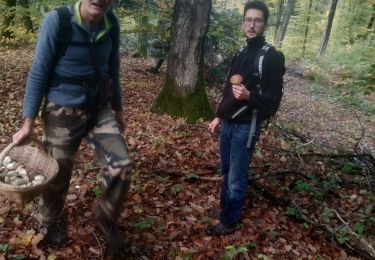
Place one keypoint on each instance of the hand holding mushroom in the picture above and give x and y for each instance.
(239, 90)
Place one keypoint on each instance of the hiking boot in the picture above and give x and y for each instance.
(55, 236)
(214, 213)
(116, 246)
(220, 229)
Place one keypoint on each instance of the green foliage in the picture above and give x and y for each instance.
(290, 211)
(327, 214)
(359, 228)
(96, 190)
(342, 235)
(144, 223)
(232, 251)
(302, 186)
(224, 35)
(4, 247)
(176, 188)
(351, 168)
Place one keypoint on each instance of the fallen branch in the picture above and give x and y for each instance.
(360, 241)
(187, 176)
(360, 247)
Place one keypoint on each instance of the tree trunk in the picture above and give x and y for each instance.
(143, 34)
(27, 23)
(327, 32)
(371, 22)
(279, 11)
(284, 25)
(225, 4)
(307, 28)
(184, 93)
(6, 30)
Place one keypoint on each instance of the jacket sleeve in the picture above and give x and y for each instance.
(43, 63)
(219, 112)
(114, 68)
(267, 98)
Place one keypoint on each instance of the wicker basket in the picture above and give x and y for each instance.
(34, 157)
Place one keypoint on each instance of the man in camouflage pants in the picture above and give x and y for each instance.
(79, 104)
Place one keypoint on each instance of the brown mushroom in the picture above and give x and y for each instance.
(236, 79)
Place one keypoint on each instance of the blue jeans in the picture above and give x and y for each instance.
(235, 164)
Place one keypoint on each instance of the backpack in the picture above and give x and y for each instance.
(258, 72)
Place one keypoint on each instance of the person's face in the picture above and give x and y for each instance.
(253, 24)
(96, 8)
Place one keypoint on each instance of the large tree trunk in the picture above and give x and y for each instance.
(6, 31)
(306, 28)
(279, 11)
(327, 32)
(183, 93)
(284, 25)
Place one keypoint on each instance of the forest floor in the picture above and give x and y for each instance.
(313, 161)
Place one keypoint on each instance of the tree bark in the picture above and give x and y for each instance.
(284, 25)
(143, 34)
(184, 93)
(280, 5)
(372, 19)
(327, 32)
(306, 28)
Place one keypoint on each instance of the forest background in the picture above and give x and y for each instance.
(328, 43)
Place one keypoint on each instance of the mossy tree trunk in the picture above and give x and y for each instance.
(183, 93)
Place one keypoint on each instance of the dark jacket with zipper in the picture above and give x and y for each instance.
(265, 98)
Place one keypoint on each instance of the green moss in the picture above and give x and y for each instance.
(191, 106)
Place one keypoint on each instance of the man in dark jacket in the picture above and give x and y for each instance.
(243, 108)
(80, 103)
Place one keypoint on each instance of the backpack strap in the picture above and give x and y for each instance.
(65, 31)
(115, 36)
(258, 72)
(258, 63)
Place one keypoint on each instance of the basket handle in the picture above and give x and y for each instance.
(6, 150)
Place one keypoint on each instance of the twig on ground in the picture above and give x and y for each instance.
(100, 245)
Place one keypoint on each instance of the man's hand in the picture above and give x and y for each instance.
(213, 127)
(240, 92)
(120, 119)
(24, 133)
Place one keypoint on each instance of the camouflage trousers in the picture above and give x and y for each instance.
(65, 127)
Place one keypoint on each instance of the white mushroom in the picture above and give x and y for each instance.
(40, 178)
(6, 179)
(7, 160)
(19, 182)
(12, 166)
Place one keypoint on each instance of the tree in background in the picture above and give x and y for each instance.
(327, 31)
(8, 20)
(183, 93)
(284, 24)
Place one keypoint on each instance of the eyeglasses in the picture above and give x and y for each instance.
(256, 21)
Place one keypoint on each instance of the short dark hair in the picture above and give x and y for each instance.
(259, 5)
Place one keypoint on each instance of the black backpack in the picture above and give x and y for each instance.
(258, 71)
